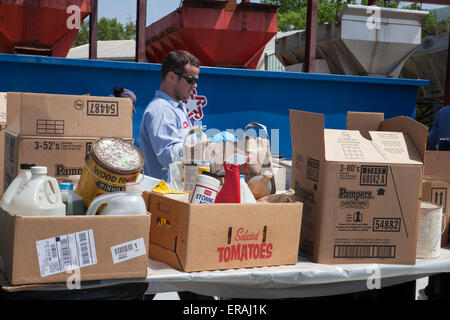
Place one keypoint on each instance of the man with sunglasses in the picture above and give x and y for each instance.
(165, 123)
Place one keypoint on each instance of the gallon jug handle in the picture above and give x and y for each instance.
(98, 201)
(55, 187)
(7, 196)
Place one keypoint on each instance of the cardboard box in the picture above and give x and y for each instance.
(437, 164)
(36, 114)
(2, 135)
(361, 197)
(41, 249)
(437, 192)
(196, 237)
(63, 157)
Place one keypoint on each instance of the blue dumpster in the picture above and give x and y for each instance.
(234, 97)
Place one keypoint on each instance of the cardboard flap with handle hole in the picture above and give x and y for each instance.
(166, 216)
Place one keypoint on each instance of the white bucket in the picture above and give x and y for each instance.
(431, 226)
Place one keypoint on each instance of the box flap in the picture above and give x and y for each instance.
(364, 122)
(168, 220)
(350, 146)
(416, 131)
(396, 146)
(307, 133)
(7, 228)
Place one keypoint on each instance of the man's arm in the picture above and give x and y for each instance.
(164, 136)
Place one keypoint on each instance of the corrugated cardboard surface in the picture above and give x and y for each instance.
(34, 114)
(436, 191)
(63, 157)
(19, 236)
(437, 180)
(2, 136)
(361, 198)
(223, 236)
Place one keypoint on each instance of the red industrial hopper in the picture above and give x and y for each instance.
(219, 33)
(39, 27)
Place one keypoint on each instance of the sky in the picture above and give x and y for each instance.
(124, 10)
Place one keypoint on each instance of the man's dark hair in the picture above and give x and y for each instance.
(176, 61)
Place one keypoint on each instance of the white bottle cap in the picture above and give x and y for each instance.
(38, 170)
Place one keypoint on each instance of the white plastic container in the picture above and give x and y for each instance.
(73, 201)
(40, 196)
(206, 188)
(129, 202)
(246, 193)
(23, 177)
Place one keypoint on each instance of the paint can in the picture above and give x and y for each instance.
(110, 164)
(431, 226)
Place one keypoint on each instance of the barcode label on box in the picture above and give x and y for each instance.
(364, 251)
(66, 253)
(128, 250)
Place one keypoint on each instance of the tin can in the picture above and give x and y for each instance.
(206, 188)
(430, 231)
(109, 166)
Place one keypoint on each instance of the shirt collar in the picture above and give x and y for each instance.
(172, 101)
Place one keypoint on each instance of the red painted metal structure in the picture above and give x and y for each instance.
(38, 27)
(219, 33)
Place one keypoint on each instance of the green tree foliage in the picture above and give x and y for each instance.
(108, 29)
(293, 12)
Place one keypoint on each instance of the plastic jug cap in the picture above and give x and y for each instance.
(26, 166)
(66, 186)
(39, 170)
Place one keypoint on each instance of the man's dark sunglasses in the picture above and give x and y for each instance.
(189, 79)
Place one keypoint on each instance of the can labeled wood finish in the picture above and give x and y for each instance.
(109, 166)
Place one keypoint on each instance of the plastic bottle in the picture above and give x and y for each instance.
(261, 185)
(20, 180)
(230, 192)
(246, 194)
(72, 200)
(206, 188)
(40, 196)
(129, 202)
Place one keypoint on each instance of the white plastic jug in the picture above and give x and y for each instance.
(40, 196)
(129, 202)
(246, 193)
(20, 180)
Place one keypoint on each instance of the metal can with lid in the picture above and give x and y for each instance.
(110, 164)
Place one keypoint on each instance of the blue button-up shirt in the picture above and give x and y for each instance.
(164, 126)
(441, 127)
